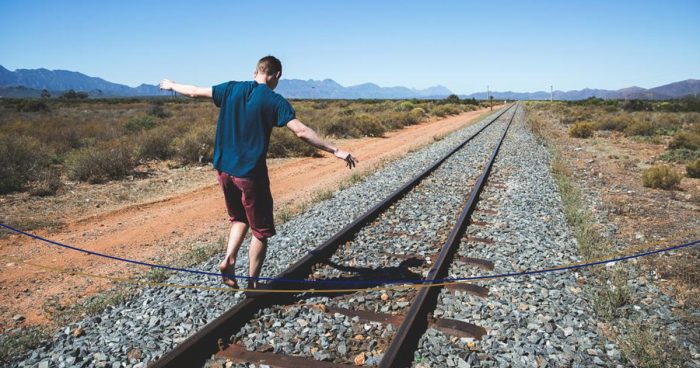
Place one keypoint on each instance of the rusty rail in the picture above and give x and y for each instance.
(214, 336)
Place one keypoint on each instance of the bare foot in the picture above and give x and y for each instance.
(227, 267)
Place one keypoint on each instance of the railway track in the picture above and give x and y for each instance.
(397, 239)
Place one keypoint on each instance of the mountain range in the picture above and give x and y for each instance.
(688, 87)
(30, 83)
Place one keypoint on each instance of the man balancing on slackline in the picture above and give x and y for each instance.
(248, 112)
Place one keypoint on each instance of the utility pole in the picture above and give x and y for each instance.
(488, 96)
(551, 93)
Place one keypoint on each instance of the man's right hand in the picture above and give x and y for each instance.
(350, 161)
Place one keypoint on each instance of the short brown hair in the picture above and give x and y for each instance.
(269, 65)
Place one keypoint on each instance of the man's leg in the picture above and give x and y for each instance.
(256, 254)
(235, 239)
(239, 227)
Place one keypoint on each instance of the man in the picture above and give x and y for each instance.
(248, 112)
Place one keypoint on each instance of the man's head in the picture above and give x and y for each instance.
(268, 71)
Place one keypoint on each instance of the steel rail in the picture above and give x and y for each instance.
(215, 335)
(401, 350)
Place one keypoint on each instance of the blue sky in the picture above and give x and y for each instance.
(463, 45)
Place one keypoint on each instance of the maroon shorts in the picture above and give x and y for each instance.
(249, 200)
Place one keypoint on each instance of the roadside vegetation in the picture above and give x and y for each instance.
(673, 125)
(48, 141)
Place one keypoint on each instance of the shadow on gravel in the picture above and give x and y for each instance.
(366, 278)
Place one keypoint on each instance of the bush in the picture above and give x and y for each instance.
(445, 110)
(641, 128)
(693, 169)
(417, 114)
(155, 144)
(196, 146)
(581, 130)
(680, 155)
(28, 105)
(283, 143)
(369, 126)
(342, 126)
(138, 124)
(688, 140)
(661, 177)
(73, 95)
(405, 106)
(613, 123)
(452, 99)
(47, 183)
(21, 160)
(102, 162)
(158, 111)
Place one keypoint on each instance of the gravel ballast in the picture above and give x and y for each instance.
(415, 226)
(531, 320)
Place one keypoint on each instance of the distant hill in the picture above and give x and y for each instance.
(328, 88)
(64, 80)
(29, 83)
(673, 90)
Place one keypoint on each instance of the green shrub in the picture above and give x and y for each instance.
(369, 126)
(417, 114)
(155, 144)
(102, 162)
(22, 159)
(661, 177)
(693, 169)
(283, 143)
(342, 126)
(680, 155)
(405, 106)
(688, 140)
(138, 124)
(613, 123)
(641, 128)
(196, 146)
(445, 110)
(73, 95)
(581, 130)
(454, 99)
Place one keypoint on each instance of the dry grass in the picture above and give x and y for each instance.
(581, 130)
(100, 140)
(661, 177)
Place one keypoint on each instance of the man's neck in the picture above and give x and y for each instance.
(261, 79)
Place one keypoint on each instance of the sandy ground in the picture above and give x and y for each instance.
(611, 166)
(144, 223)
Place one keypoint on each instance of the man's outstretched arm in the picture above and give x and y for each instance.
(308, 135)
(187, 90)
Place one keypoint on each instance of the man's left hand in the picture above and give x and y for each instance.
(350, 161)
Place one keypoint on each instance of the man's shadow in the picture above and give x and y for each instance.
(362, 278)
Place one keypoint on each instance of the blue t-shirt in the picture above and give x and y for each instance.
(248, 112)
